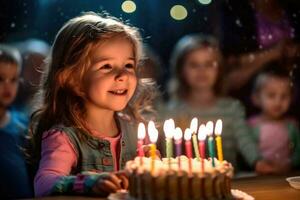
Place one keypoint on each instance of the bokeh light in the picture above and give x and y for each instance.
(205, 2)
(178, 12)
(128, 6)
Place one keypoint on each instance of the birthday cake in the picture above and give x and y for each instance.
(166, 179)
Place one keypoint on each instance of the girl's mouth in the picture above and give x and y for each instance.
(118, 92)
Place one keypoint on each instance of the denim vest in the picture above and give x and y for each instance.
(95, 154)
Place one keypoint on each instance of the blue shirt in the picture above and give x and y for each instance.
(13, 171)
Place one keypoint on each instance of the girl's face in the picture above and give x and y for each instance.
(275, 97)
(9, 79)
(200, 69)
(111, 79)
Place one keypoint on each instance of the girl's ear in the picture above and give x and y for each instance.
(255, 99)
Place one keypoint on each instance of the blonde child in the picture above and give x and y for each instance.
(84, 129)
(276, 134)
(196, 90)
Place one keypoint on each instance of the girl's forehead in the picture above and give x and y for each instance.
(8, 66)
(276, 83)
(118, 47)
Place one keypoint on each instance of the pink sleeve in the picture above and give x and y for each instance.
(58, 156)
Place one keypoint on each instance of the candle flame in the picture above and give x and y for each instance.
(202, 132)
(141, 131)
(209, 128)
(168, 128)
(153, 132)
(187, 134)
(218, 128)
(178, 134)
(172, 124)
(194, 125)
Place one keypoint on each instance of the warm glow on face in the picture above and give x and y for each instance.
(141, 131)
(168, 128)
(218, 128)
(209, 128)
(187, 134)
(194, 125)
(178, 134)
(202, 132)
(153, 132)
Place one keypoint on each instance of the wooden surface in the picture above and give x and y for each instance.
(267, 188)
(261, 188)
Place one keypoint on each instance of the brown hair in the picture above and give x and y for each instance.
(61, 98)
(178, 87)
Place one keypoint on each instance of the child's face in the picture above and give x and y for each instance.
(111, 79)
(200, 69)
(9, 78)
(275, 97)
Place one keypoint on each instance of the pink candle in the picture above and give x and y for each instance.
(201, 138)
(188, 147)
(140, 143)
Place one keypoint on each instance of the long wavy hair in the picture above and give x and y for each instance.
(60, 99)
(178, 86)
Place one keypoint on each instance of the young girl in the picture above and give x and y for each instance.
(277, 135)
(196, 90)
(84, 130)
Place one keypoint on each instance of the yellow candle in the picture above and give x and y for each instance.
(218, 131)
(153, 155)
(153, 135)
(219, 148)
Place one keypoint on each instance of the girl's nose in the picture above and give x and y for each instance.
(121, 75)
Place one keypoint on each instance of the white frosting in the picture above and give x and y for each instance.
(167, 165)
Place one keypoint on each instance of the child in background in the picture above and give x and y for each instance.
(276, 134)
(197, 92)
(84, 129)
(13, 125)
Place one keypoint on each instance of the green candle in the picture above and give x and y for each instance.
(169, 127)
(169, 147)
(195, 145)
(211, 143)
(211, 149)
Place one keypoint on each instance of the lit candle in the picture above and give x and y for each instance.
(188, 147)
(218, 131)
(201, 138)
(141, 136)
(153, 135)
(178, 141)
(194, 127)
(169, 128)
(211, 143)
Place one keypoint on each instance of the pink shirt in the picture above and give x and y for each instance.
(273, 141)
(58, 157)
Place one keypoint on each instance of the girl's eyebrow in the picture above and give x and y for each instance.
(102, 59)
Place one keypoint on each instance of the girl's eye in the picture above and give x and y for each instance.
(129, 66)
(14, 80)
(106, 66)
